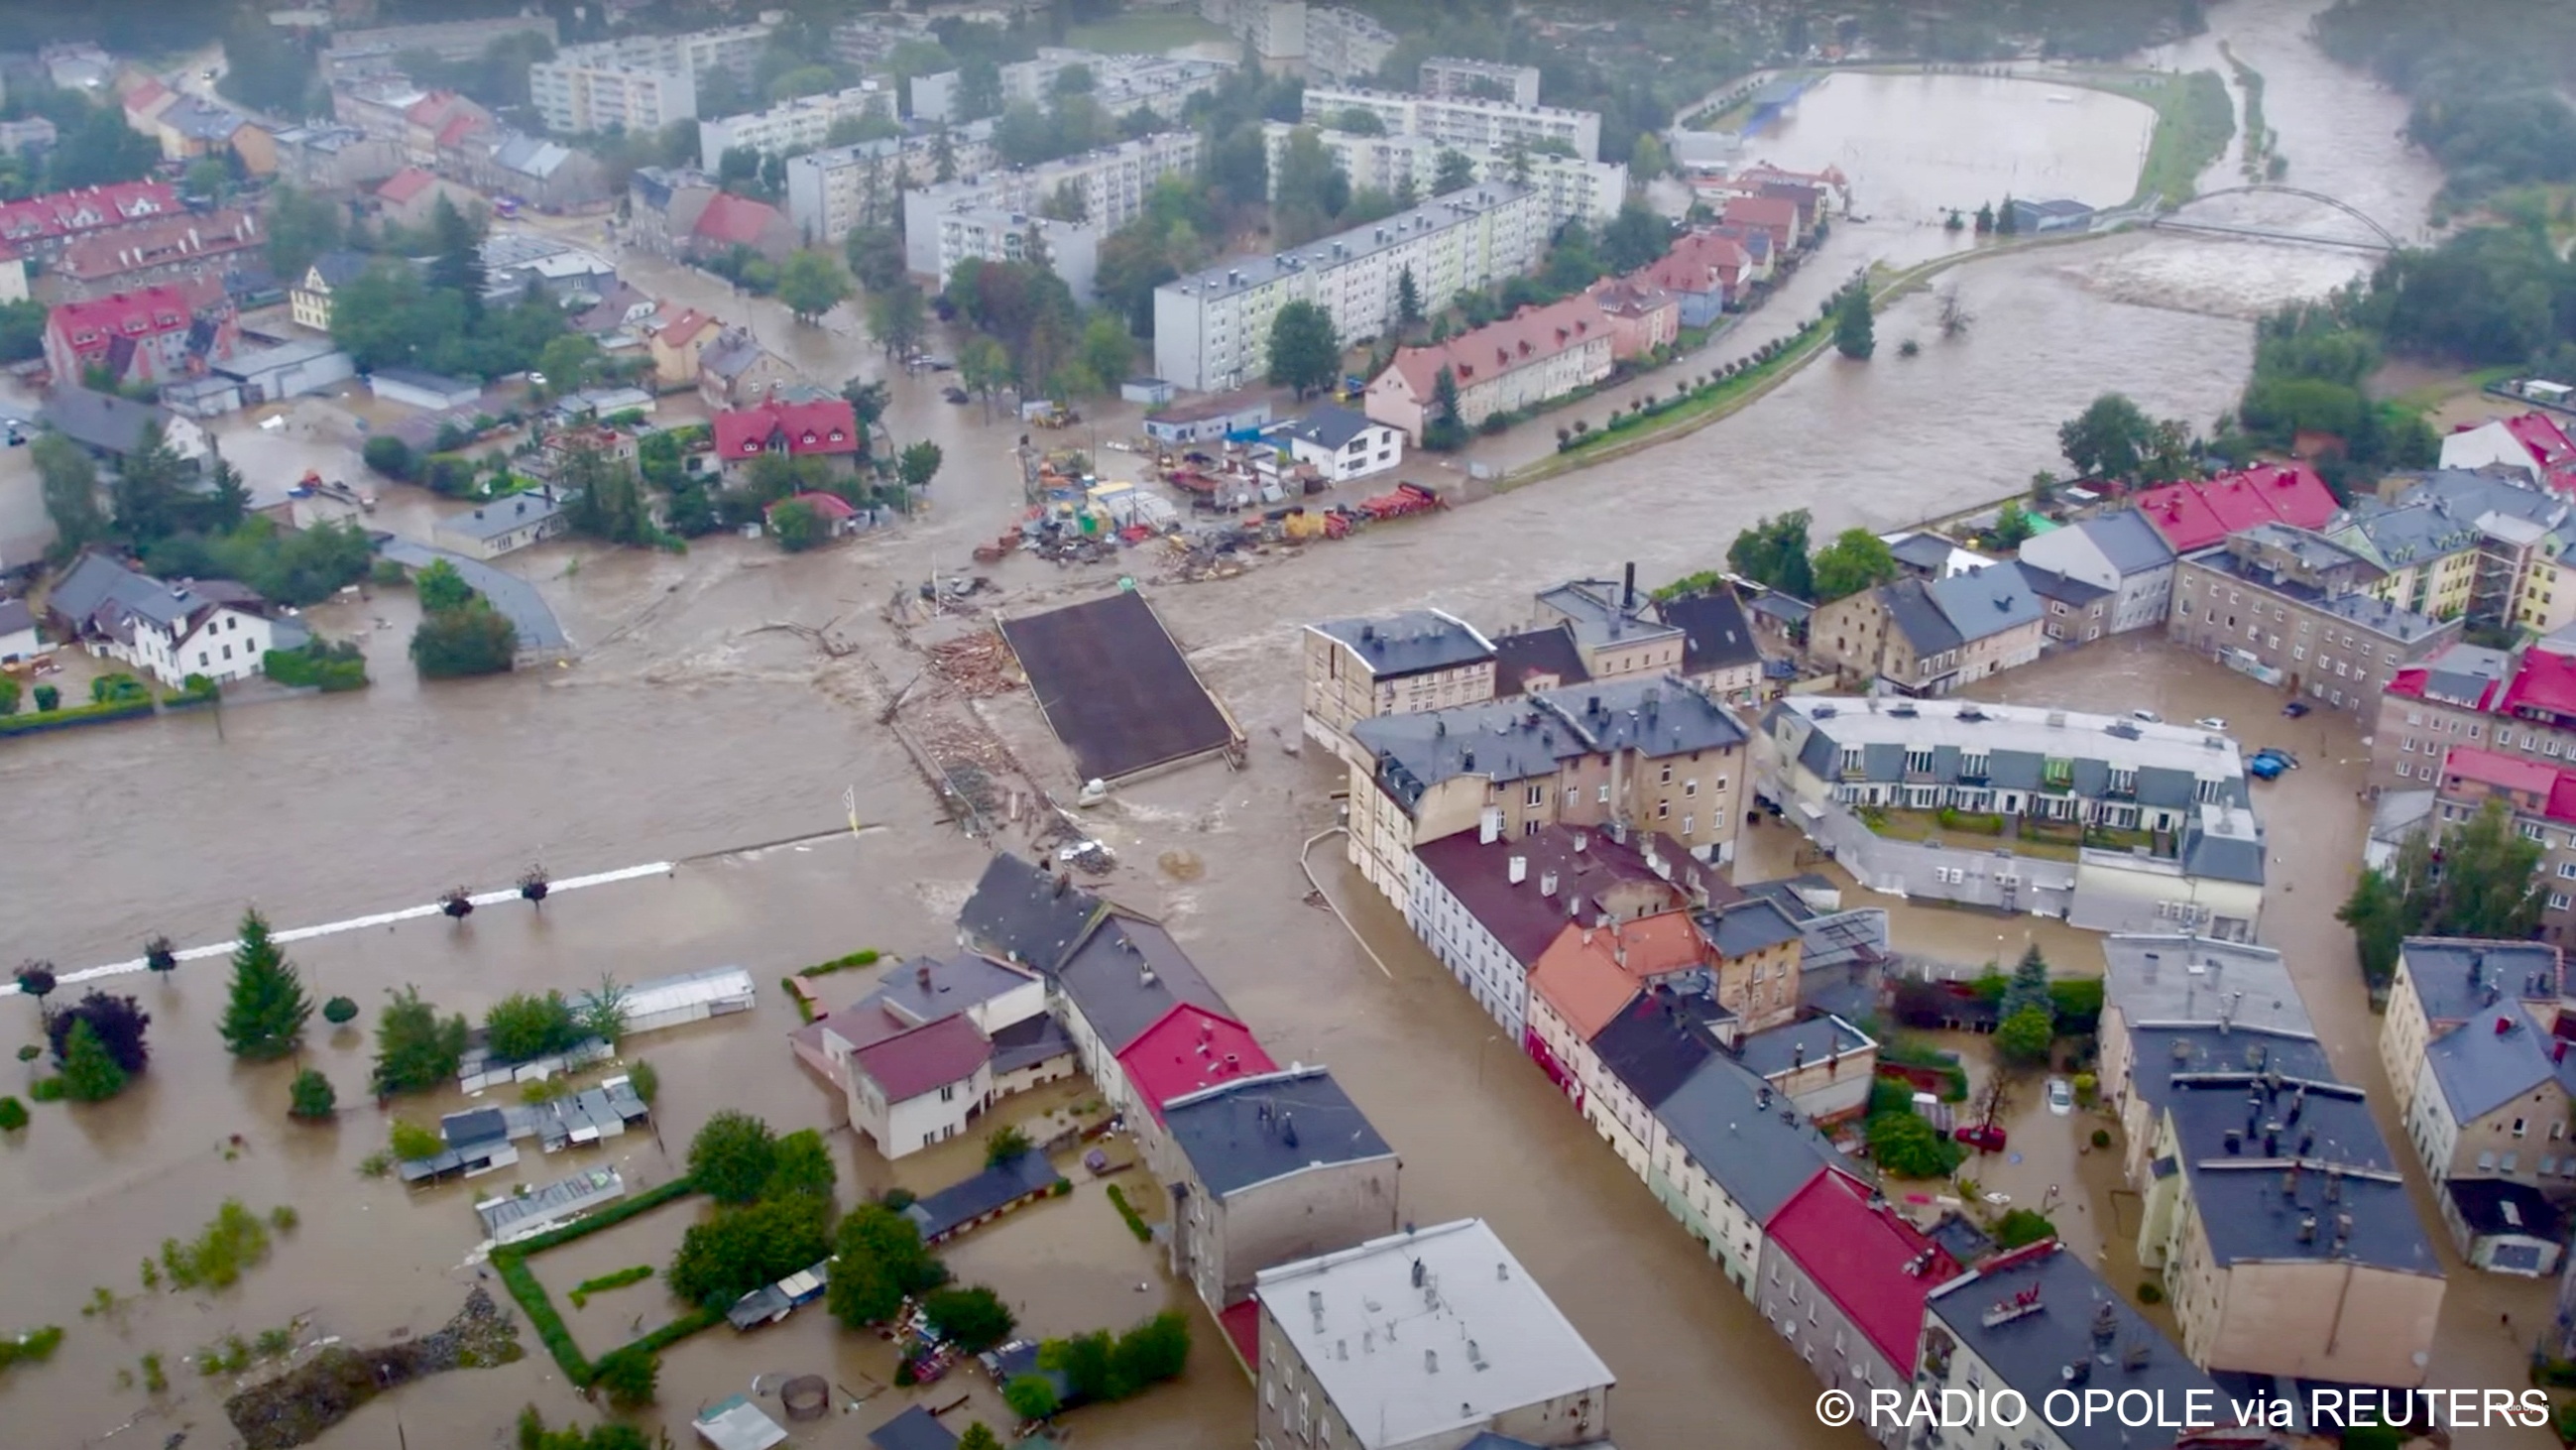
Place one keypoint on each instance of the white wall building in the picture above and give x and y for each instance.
(1343, 445)
(1120, 84)
(1568, 186)
(832, 191)
(1463, 121)
(994, 234)
(2120, 552)
(1275, 29)
(1345, 47)
(1212, 329)
(801, 124)
(1452, 78)
(638, 81)
(169, 629)
(1112, 183)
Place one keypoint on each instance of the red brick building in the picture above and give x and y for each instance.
(150, 335)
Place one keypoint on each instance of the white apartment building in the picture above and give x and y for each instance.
(804, 123)
(1212, 329)
(1121, 84)
(832, 191)
(1345, 47)
(1568, 186)
(1452, 78)
(1113, 183)
(1275, 29)
(998, 234)
(1463, 121)
(639, 80)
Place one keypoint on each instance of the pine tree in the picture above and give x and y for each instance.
(266, 1016)
(90, 1075)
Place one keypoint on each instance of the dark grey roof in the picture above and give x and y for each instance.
(1517, 738)
(1745, 1134)
(1785, 608)
(2062, 588)
(1003, 1183)
(2501, 1206)
(513, 596)
(428, 381)
(1986, 601)
(1912, 612)
(1024, 914)
(2464, 673)
(1549, 651)
(1028, 1043)
(102, 421)
(1412, 643)
(928, 988)
(15, 616)
(491, 520)
(1126, 974)
(1249, 1132)
(1745, 927)
(340, 265)
(1653, 1045)
(1595, 610)
(475, 1125)
(1715, 633)
(2243, 1205)
(1928, 553)
(914, 1429)
(2380, 617)
(2456, 977)
(1966, 1242)
(1329, 425)
(1781, 1049)
(2076, 1320)
(2128, 541)
(2223, 843)
(2489, 1061)
(2161, 1051)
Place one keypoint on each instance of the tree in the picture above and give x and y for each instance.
(1089, 1365)
(601, 1011)
(89, 1074)
(567, 363)
(812, 284)
(796, 526)
(37, 980)
(312, 1097)
(974, 1318)
(1031, 1396)
(1908, 1147)
(267, 1011)
(117, 1022)
(1854, 561)
(1408, 297)
(1456, 172)
(70, 485)
(983, 367)
(2024, 1037)
(875, 257)
(877, 1260)
(1154, 1351)
(1106, 350)
(1444, 429)
(1304, 353)
(2481, 878)
(802, 1164)
(2022, 1226)
(731, 1158)
(454, 643)
(896, 317)
(458, 265)
(441, 588)
(13, 1116)
(979, 1436)
(629, 1375)
(1004, 1144)
(22, 331)
(1855, 331)
(2028, 986)
(741, 1249)
(301, 227)
(2110, 439)
(1637, 236)
(416, 1049)
(2012, 525)
(1773, 553)
(523, 1025)
(918, 464)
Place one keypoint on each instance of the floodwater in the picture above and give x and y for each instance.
(691, 733)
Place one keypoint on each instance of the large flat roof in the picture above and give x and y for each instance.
(1114, 687)
(1243, 273)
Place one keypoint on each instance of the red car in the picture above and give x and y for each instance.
(1984, 1137)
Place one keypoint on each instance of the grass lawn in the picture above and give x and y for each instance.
(1145, 34)
(2195, 119)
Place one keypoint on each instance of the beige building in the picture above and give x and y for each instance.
(1927, 637)
(1274, 1169)
(2521, 706)
(2294, 609)
(1359, 669)
(1525, 361)
(2443, 982)
(1480, 1348)
(1569, 187)
(1464, 121)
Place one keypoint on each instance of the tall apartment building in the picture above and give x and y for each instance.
(1452, 78)
(638, 81)
(802, 124)
(1345, 47)
(1112, 183)
(1463, 121)
(968, 229)
(2292, 608)
(830, 192)
(1568, 186)
(1212, 329)
(1121, 85)
(1275, 30)
(2469, 696)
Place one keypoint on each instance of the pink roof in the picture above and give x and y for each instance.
(1771, 213)
(69, 213)
(826, 426)
(457, 129)
(926, 1058)
(1699, 262)
(2506, 772)
(736, 219)
(2543, 439)
(829, 506)
(2195, 515)
(143, 312)
(1189, 1049)
(1531, 335)
(2543, 682)
(158, 242)
(143, 93)
(1860, 1257)
(405, 184)
(683, 328)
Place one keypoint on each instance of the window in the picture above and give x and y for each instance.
(2486, 1162)
(1689, 825)
(2507, 1166)
(1602, 795)
(1663, 810)
(2558, 901)
(1918, 762)
(948, 1094)
(1536, 796)
(1667, 776)
(2518, 1126)
(1689, 788)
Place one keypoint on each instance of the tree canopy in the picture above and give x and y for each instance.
(1304, 353)
(2113, 438)
(877, 1259)
(1854, 561)
(416, 1049)
(267, 1010)
(1774, 553)
(731, 1158)
(2481, 878)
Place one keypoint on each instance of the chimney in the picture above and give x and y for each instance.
(1519, 869)
(1628, 587)
(921, 974)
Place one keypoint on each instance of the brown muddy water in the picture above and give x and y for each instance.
(689, 734)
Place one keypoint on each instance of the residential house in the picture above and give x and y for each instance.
(17, 632)
(2120, 552)
(1844, 1281)
(39, 227)
(728, 222)
(2291, 608)
(1329, 1374)
(169, 250)
(1727, 1154)
(1922, 554)
(2535, 445)
(837, 516)
(1929, 638)
(1188, 1050)
(1643, 317)
(410, 197)
(2505, 1227)
(2074, 613)
(2131, 826)
(1342, 445)
(152, 335)
(825, 430)
(1591, 974)
(2485, 544)
(2444, 983)
(2201, 514)
(1124, 976)
(546, 174)
(2230, 1005)
(918, 1059)
(2038, 1321)
(2428, 553)
(167, 628)
(1648, 754)
(142, 104)
(324, 156)
(1358, 669)
(1776, 218)
(1272, 1169)
(1489, 909)
(676, 340)
(664, 204)
(503, 526)
(1613, 629)
(1021, 912)
(2520, 704)
(309, 300)
(2541, 800)
(2491, 1108)
(735, 371)
(2285, 1235)
(1543, 657)
(1721, 652)
(1705, 272)
(1528, 359)
(112, 428)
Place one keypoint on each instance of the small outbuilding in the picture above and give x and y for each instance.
(734, 1423)
(416, 389)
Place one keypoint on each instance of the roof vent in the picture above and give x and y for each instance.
(1431, 1361)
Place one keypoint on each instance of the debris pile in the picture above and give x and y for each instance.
(976, 665)
(298, 1406)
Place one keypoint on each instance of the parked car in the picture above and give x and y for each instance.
(2295, 709)
(1984, 1137)
(2210, 722)
(955, 395)
(2150, 716)
(2268, 763)
(2061, 1096)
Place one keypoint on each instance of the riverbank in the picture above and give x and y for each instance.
(2194, 122)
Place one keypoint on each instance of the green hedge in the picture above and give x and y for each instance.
(73, 717)
(511, 1262)
(524, 1286)
(1135, 1221)
(330, 667)
(616, 1213)
(866, 958)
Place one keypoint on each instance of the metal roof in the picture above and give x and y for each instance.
(1747, 1135)
(2252, 1207)
(490, 521)
(1023, 912)
(1242, 1134)
(1414, 642)
(1126, 974)
(2454, 978)
(1527, 735)
(2488, 1062)
(508, 593)
(2199, 979)
(2128, 542)
(1330, 425)
(1984, 602)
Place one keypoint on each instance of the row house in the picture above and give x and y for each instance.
(2293, 609)
(176, 249)
(2534, 445)
(2202, 513)
(1271, 1168)
(1652, 754)
(1529, 359)
(1778, 218)
(2117, 552)
(1600, 629)
(2521, 704)
(1359, 669)
(1932, 637)
(2177, 1003)
(543, 173)
(38, 228)
(2489, 1121)
(1643, 317)
(168, 628)
(323, 156)
(152, 335)
(411, 197)
(2541, 798)
(2486, 544)
(1845, 1277)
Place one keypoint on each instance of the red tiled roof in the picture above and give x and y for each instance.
(1858, 1256)
(823, 427)
(830, 507)
(2489, 767)
(2543, 439)
(453, 134)
(1590, 973)
(1188, 1049)
(154, 243)
(143, 93)
(405, 184)
(926, 1058)
(1699, 262)
(1771, 213)
(69, 213)
(145, 312)
(2195, 515)
(687, 325)
(2543, 681)
(736, 220)
(1526, 338)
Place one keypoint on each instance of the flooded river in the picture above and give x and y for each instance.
(690, 734)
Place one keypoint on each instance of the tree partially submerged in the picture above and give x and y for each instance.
(267, 1011)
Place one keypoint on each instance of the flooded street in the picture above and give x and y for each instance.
(689, 733)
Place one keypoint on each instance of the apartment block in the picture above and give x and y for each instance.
(2541, 795)
(1844, 1280)
(2294, 609)
(1274, 30)
(1464, 121)
(802, 124)
(1103, 189)
(1345, 47)
(993, 234)
(1525, 361)
(834, 191)
(374, 50)
(1359, 669)
(2118, 552)
(1932, 637)
(637, 81)
(1568, 186)
(1454, 79)
(1212, 329)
